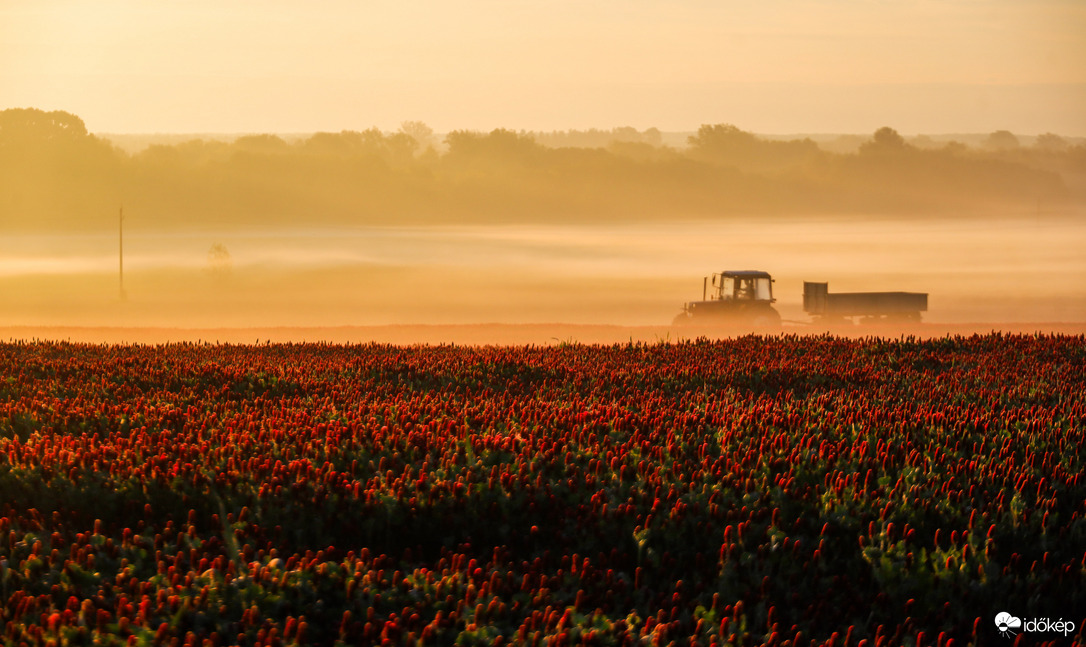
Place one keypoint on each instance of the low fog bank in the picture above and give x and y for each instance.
(975, 272)
(583, 228)
(498, 334)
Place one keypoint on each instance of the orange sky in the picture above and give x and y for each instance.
(779, 66)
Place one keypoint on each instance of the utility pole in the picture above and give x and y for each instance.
(120, 250)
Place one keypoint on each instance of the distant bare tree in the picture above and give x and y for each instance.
(219, 264)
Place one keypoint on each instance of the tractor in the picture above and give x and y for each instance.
(743, 297)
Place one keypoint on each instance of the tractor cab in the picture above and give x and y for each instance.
(745, 285)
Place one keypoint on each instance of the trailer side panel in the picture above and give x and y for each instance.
(849, 304)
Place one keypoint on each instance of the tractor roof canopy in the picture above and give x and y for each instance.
(746, 274)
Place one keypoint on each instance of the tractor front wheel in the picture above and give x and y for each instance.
(767, 319)
(682, 319)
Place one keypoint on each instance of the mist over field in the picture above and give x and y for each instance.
(587, 227)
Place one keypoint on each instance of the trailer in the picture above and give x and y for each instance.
(819, 302)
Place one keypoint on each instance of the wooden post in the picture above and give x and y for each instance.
(120, 251)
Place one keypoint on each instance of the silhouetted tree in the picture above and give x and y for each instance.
(339, 144)
(955, 148)
(421, 133)
(1001, 140)
(727, 144)
(400, 149)
(721, 140)
(59, 136)
(500, 146)
(261, 144)
(885, 140)
(596, 138)
(52, 171)
(1051, 142)
(31, 124)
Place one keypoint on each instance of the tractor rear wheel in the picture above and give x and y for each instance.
(768, 319)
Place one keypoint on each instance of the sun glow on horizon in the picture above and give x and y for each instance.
(785, 66)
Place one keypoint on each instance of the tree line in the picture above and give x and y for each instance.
(55, 175)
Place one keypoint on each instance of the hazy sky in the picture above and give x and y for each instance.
(773, 66)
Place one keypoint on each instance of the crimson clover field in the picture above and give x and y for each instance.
(777, 491)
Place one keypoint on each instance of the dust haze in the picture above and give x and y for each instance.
(570, 232)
